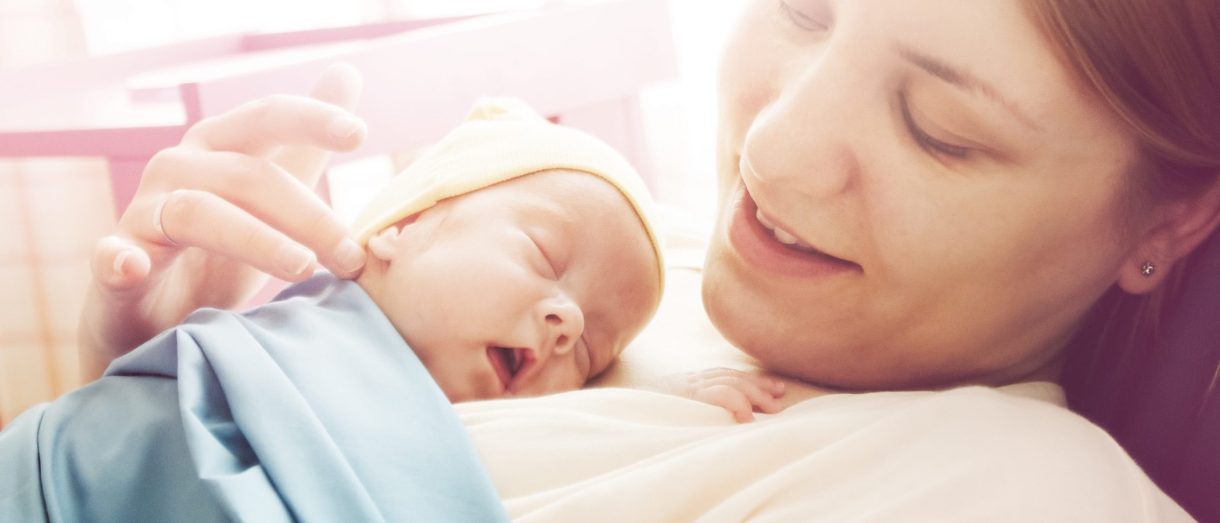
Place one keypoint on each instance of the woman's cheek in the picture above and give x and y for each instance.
(746, 74)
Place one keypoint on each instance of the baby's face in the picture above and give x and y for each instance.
(527, 287)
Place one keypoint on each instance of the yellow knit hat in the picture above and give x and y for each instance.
(503, 139)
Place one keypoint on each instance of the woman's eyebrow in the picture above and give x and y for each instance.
(963, 79)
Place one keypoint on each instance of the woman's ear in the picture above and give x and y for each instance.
(1183, 226)
(382, 245)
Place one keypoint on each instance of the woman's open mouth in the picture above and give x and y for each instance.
(764, 245)
(508, 363)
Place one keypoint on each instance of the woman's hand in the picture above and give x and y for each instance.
(214, 215)
(736, 391)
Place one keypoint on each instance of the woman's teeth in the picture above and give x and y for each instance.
(783, 236)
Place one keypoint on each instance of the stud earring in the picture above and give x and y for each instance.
(1147, 269)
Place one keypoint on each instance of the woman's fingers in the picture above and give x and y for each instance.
(265, 156)
(232, 200)
(192, 218)
(258, 187)
(265, 125)
(340, 85)
(119, 264)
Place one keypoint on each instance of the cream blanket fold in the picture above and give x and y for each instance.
(971, 454)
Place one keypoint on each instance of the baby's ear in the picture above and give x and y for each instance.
(381, 245)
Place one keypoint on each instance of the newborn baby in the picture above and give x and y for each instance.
(518, 257)
(515, 257)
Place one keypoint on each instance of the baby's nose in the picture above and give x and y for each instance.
(564, 323)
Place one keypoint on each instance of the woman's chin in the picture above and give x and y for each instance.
(743, 319)
(823, 353)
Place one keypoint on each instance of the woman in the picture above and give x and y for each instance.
(913, 196)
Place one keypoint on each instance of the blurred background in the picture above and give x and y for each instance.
(52, 210)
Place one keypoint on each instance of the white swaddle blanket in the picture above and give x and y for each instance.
(969, 454)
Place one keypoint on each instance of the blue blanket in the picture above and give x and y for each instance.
(310, 408)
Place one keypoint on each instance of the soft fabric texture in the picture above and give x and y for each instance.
(310, 408)
(969, 454)
(501, 140)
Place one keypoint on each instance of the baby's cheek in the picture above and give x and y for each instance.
(561, 377)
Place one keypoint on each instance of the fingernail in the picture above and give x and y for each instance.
(121, 260)
(293, 259)
(349, 257)
(343, 127)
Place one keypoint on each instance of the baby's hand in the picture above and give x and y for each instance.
(737, 391)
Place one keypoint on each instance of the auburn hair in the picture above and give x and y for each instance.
(1156, 64)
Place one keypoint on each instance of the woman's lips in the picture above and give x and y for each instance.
(759, 248)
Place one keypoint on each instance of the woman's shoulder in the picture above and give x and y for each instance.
(1004, 425)
(1021, 444)
(1027, 415)
(968, 454)
(1016, 449)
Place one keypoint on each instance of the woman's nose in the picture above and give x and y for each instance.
(801, 142)
(563, 324)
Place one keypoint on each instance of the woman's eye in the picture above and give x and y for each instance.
(925, 140)
(809, 15)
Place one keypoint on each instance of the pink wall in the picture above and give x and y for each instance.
(51, 212)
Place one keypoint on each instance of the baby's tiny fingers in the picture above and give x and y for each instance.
(737, 378)
(729, 399)
(761, 397)
(774, 386)
(770, 405)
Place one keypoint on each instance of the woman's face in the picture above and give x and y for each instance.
(913, 193)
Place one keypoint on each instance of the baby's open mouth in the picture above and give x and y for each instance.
(508, 362)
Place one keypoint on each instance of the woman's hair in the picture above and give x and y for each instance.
(1156, 64)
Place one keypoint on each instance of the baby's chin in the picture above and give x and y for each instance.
(456, 394)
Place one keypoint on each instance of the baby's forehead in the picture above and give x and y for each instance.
(586, 212)
(559, 194)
